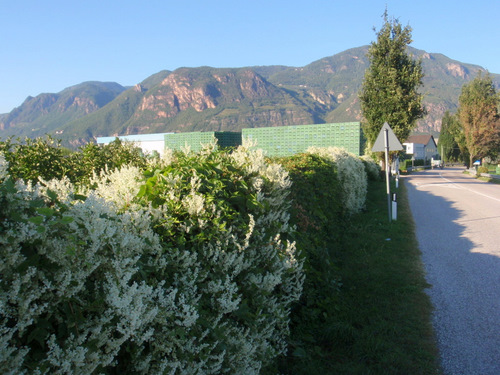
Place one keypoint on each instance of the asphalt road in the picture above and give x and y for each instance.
(458, 228)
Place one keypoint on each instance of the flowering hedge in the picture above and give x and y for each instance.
(351, 173)
(184, 271)
(320, 220)
(46, 158)
(373, 170)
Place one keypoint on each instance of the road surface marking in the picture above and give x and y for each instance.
(465, 188)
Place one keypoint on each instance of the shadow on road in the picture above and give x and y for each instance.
(465, 282)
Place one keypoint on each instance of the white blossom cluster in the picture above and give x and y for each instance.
(237, 287)
(68, 280)
(3, 167)
(93, 279)
(351, 173)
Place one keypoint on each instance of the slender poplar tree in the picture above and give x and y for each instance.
(390, 87)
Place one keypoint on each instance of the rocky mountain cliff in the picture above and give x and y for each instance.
(47, 113)
(218, 99)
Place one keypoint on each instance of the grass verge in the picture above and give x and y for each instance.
(489, 179)
(379, 319)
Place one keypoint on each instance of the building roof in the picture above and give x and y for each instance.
(422, 139)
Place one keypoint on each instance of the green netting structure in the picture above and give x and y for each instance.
(196, 140)
(279, 140)
(289, 140)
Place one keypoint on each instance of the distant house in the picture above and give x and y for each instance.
(421, 146)
(149, 143)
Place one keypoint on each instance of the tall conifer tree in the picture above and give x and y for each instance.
(390, 87)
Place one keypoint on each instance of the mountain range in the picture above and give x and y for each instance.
(229, 99)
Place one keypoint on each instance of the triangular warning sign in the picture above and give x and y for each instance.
(393, 142)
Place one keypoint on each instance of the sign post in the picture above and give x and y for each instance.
(387, 171)
(387, 141)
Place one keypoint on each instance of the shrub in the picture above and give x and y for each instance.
(45, 158)
(351, 173)
(405, 164)
(315, 194)
(34, 158)
(226, 258)
(317, 215)
(483, 169)
(372, 169)
(71, 293)
(184, 272)
(114, 155)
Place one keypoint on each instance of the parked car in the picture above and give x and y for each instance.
(438, 163)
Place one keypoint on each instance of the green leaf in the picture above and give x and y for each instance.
(71, 251)
(36, 203)
(45, 211)
(79, 197)
(65, 220)
(10, 186)
(299, 352)
(52, 195)
(31, 261)
(39, 334)
(142, 191)
(36, 220)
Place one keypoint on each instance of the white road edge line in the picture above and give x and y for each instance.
(462, 187)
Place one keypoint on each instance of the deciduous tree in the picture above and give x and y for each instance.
(390, 87)
(479, 118)
(451, 139)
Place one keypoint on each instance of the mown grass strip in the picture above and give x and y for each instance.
(379, 321)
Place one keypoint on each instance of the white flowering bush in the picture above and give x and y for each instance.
(3, 167)
(351, 173)
(185, 272)
(372, 168)
(71, 294)
(221, 218)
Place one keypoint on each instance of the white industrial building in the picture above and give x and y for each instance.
(149, 143)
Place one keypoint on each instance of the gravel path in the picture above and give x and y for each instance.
(458, 228)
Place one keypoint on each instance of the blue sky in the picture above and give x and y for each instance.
(46, 46)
